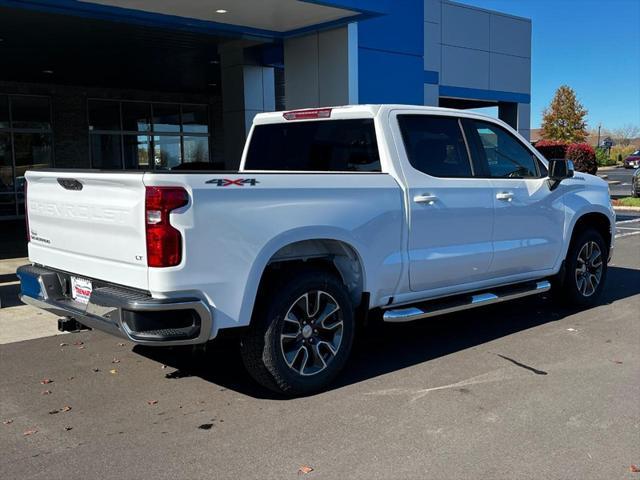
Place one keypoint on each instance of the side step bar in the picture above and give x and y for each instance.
(465, 302)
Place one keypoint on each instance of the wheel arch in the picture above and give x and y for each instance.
(597, 220)
(332, 250)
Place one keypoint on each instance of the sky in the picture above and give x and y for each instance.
(591, 45)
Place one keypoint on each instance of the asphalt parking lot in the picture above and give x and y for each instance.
(518, 390)
(619, 181)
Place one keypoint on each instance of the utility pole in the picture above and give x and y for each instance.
(599, 127)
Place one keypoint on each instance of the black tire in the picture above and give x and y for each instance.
(573, 287)
(263, 348)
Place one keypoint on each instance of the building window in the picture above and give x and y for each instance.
(143, 135)
(26, 142)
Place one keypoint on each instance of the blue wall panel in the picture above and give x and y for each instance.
(386, 77)
(391, 57)
(401, 30)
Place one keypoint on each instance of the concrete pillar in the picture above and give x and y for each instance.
(524, 120)
(517, 115)
(321, 69)
(508, 113)
(247, 89)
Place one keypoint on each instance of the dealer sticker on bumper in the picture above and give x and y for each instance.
(81, 289)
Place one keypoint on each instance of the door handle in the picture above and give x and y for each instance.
(505, 196)
(425, 198)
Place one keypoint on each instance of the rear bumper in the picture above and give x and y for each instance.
(122, 312)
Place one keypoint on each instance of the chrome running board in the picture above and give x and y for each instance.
(455, 304)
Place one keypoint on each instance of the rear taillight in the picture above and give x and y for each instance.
(164, 243)
(26, 211)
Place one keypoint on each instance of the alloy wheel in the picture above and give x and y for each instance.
(311, 333)
(589, 268)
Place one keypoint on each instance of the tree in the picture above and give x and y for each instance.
(626, 134)
(564, 118)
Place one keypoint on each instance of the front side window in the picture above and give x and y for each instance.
(435, 145)
(505, 156)
(320, 146)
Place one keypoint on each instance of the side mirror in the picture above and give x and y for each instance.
(559, 169)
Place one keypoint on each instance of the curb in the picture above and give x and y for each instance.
(608, 168)
(627, 209)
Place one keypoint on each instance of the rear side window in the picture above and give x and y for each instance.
(322, 146)
(505, 156)
(435, 145)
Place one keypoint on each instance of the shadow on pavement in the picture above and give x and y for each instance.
(9, 295)
(13, 239)
(383, 348)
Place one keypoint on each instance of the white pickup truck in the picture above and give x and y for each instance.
(405, 211)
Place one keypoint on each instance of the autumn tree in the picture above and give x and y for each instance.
(564, 118)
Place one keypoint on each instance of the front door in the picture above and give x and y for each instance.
(529, 216)
(450, 210)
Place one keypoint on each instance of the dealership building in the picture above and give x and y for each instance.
(163, 84)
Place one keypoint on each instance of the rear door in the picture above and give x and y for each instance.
(90, 224)
(529, 217)
(450, 210)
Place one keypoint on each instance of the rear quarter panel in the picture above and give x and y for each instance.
(230, 232)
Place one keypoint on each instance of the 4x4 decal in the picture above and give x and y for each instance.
(238, 182)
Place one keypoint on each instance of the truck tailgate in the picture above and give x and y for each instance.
(91, 224)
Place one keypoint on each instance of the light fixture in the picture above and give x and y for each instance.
(221, 11)
(48, 72)
(212, 84)
(214, 62)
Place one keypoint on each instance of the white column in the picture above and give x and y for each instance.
(247, 89)
(321, 68)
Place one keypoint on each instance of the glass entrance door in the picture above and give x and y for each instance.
(26, 142)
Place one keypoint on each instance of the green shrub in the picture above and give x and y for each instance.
(584, 157)
(603, 158)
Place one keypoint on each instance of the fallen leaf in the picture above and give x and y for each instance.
(46, 381)
(95, 369)
(81, 347)
(68, 428)
(53, 412)
(66, 408)
(78, 342)
(571, 329)
(63, 344)
(30, 432)
(205, 426)
(46, 392)
(304, 469)
(619, 362)
(115, 360)
(7, 422)
(70, 378)
(634, 469)
(152, 402)
(163, 367)
(113, 370)
(121, 344)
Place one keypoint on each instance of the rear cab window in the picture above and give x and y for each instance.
(315, 146)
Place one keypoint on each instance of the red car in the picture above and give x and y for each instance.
(633, 160)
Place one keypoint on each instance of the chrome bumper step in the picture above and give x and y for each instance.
(464, 302)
